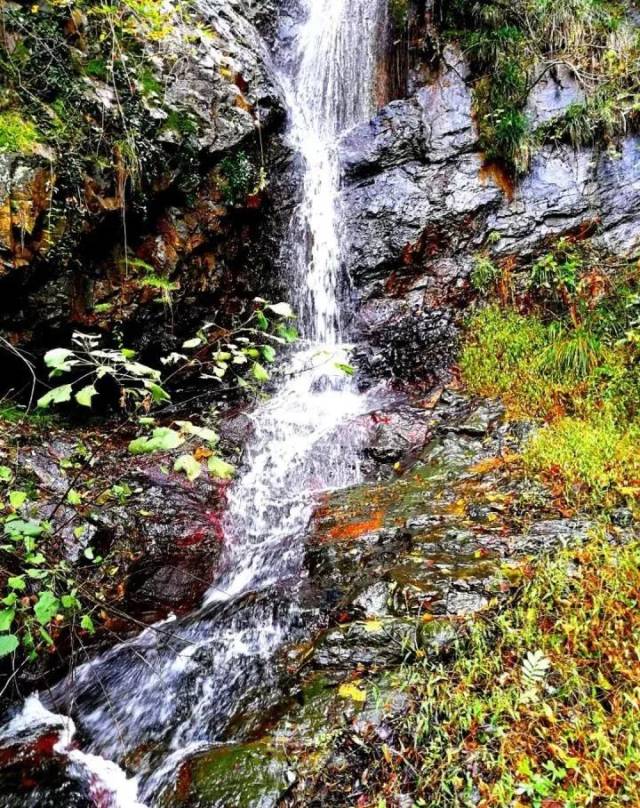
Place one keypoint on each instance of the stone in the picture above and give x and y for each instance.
(555, 90)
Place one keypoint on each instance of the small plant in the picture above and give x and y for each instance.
(41, 596)
(199, 441)
(88, 363)
(239, 178)
(485, 274)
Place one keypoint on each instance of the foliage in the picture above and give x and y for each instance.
(83, 78)
(581, 379)
(16, 133)
(590, 459)
(235, 355)
(485, 274)
(90, 363)
(42, 596)
(239, 178)
(196, 444)
(539, 704)
(513, 45)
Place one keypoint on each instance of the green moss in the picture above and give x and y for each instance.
(17, 134)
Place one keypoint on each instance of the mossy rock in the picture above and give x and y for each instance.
(253, 774)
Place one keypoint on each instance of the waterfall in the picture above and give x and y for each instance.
(331, 89)
(177, 687)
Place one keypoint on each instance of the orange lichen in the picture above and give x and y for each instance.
(353, 530)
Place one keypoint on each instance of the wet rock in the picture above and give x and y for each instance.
(254, 775)
(547, 535)
(480, 421)
(465, 600)
(447, 110)
(26, 185)
(397, 434)
(421, 204)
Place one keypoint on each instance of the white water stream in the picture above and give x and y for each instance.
(180, 683)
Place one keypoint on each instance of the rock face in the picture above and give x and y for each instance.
(205, 219)
(420, 204)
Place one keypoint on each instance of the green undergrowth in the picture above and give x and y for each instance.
(572, 363)
(511, 45)
(540, 705)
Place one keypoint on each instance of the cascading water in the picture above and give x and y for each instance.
(177, 687)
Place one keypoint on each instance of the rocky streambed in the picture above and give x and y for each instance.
(442, 527)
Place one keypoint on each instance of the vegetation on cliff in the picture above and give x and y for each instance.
(512, 46)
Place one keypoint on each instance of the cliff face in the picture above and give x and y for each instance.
(150, 185)
(424, 203)
(147, 172)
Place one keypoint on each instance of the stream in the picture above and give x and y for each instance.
(144, 707)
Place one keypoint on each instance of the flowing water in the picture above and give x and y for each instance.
(179, 687)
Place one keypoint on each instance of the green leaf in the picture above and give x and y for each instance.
(70, 602)
(56, 359)
(17, 499)
(189, 465)
(84, 396)
(8, 644)
(88, 553)
(192, 343)
(56, 396)
(220, 469)
(260, 374)
(348, 369)
(87, 624)
(163, 439)
(288, 333)
(282, 310)
(158, 393)
(19, 528)
(36, 559)
(5, 474)
(38, 575)
(10, 600)
(16, 582)
(261, 321)
(268, 352)
(200, 431)
(6, 618)
(46, 636)
(46, 607)
(74, 497)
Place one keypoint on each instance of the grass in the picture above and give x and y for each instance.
(540, 705)
(509, 44)
(584, 386)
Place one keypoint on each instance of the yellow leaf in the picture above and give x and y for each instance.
(373, 626)
(350, 690)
